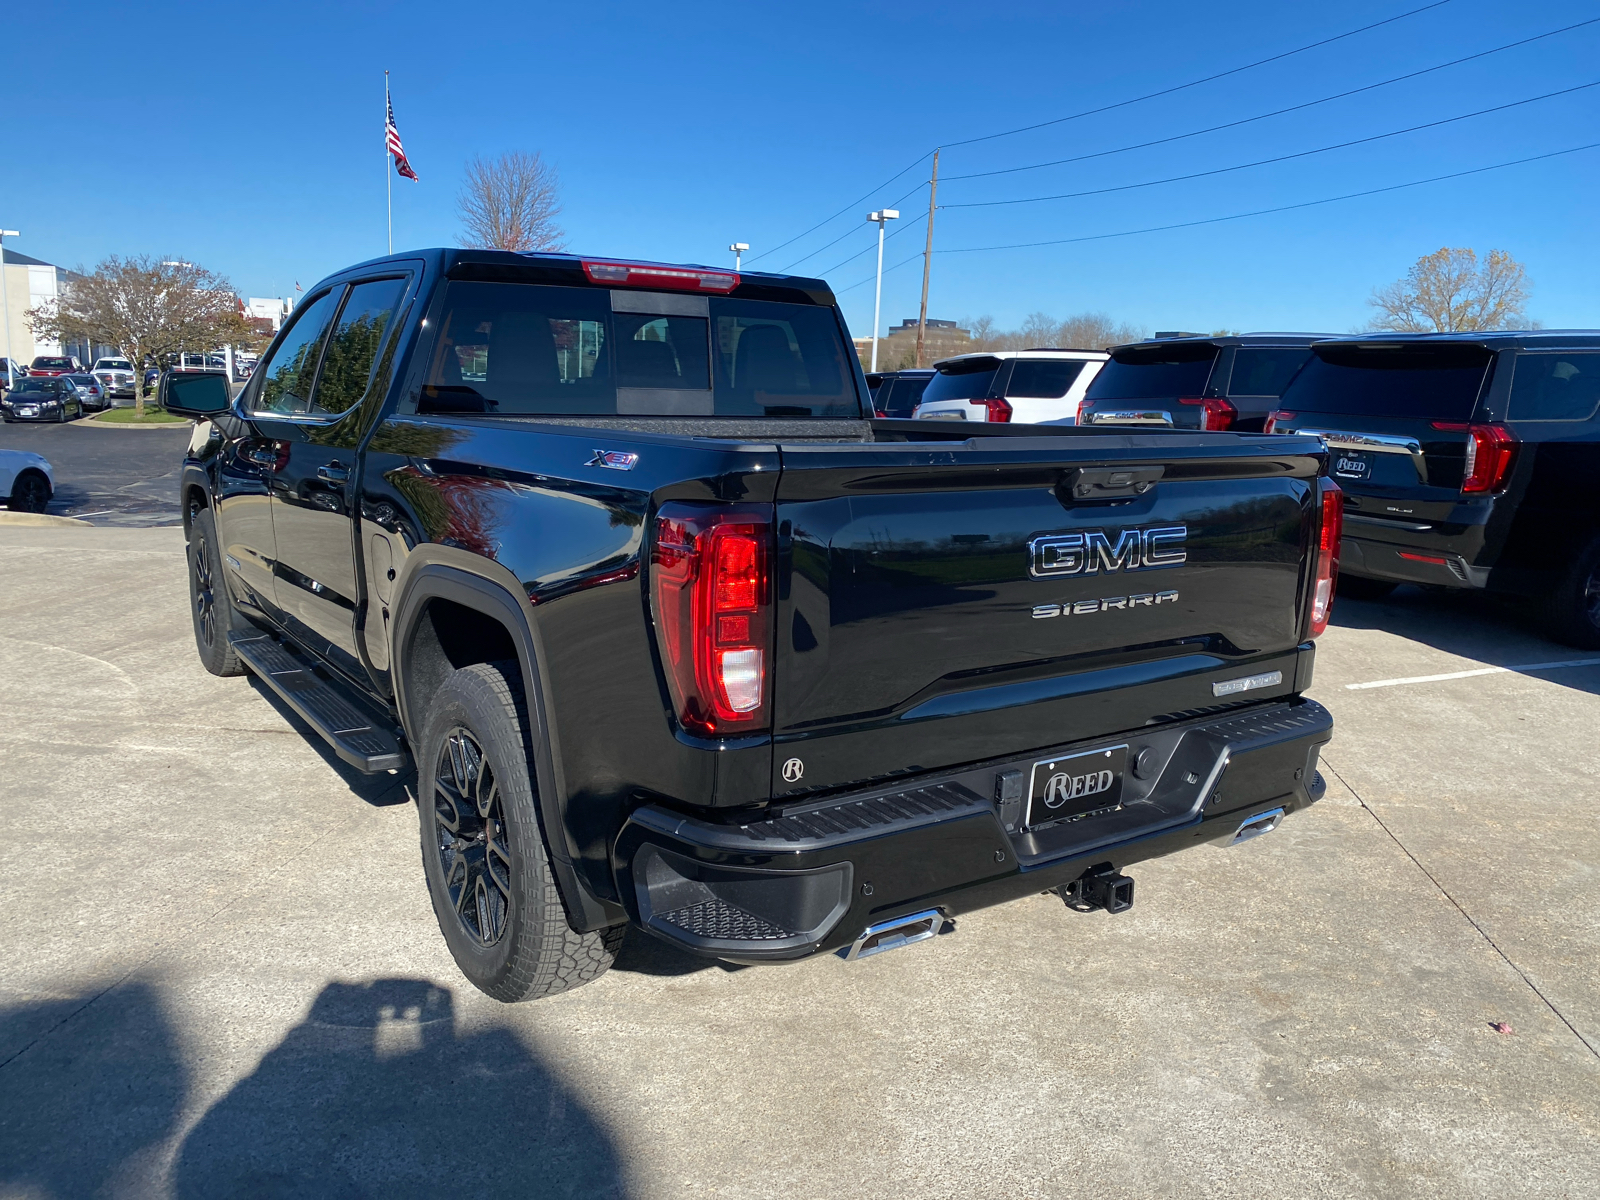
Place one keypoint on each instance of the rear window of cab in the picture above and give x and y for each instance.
(514, 349)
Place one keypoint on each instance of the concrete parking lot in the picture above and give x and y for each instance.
(223, 977)
(105, 475)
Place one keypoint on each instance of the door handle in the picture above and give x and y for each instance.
(334, 472)
(263, 454)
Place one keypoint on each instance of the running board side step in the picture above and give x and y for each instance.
(321, 704)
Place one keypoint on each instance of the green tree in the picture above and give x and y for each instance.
(146, 308)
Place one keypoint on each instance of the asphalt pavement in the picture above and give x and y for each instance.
(106, 475)
(223, 977)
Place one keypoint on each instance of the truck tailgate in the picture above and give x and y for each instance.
(941, 603)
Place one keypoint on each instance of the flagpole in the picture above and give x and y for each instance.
(388, 179)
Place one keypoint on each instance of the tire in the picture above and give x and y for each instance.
(483, 854)
(1358, 587)
(1572, 613)
(30, 492)
(210, 606)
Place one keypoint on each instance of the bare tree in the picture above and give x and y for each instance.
(1447, 291)
(146, 308)
(1085, 331)
(510, 203)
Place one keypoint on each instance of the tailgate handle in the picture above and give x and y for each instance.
(1107, 483)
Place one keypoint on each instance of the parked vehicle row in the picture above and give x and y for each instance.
(679, 635)
(48, 398)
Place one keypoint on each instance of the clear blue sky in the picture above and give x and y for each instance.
(678, 128)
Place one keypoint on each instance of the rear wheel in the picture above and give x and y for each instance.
(1359, 587)
(30, 492)
(1572, 614)
(209, 603)
(488, 872)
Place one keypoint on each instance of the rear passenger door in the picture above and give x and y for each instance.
(315, 579)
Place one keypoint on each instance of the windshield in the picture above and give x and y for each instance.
(1435, 383)
(1154, 373)
(512, 348)
(41, 387)
(963, 379)
(52, 364)
(113, 364)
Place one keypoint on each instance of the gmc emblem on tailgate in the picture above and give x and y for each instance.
(1053, 555)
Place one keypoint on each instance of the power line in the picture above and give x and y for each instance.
(843, 210)
(1178, 137)
(1377, 137)
(1261, 212)
(1089, 112)
(911, 224)
(1106, 108)
(886, 271)
(848, 232)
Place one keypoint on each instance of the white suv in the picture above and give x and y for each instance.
(1028, 387)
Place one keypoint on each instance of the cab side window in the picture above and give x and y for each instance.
(287, 376)
(353, 345)
(1555, 386)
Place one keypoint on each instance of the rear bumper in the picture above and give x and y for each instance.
(811, 877)
(1437, 565)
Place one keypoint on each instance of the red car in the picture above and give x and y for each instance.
(49, 365)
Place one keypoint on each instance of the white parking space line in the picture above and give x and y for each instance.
(1544, 666)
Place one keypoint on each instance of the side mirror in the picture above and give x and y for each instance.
(196, 394)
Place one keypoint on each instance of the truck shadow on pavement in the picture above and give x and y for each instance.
(375, 1093)
(380, 791)
(1491, 630)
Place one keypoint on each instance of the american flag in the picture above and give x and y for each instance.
(401, 165)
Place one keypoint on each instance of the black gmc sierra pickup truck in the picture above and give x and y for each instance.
(677, 635)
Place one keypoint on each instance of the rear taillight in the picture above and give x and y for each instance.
(1489, 452)
(997, 408)
(1215, 412)
(649, 275)
(1273, 419)
(711, 587)
(1329, 529)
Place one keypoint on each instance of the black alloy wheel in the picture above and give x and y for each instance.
(30, 493)
(489, 874)
(205, 593)
(470, 829)
(209, 603)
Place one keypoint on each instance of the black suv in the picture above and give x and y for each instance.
(1468, 460)
(895, 393)
(1193, 382)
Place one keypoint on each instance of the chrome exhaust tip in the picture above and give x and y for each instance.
(892, 934)
(1257, 825)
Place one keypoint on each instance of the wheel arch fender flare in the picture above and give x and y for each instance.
(475, 586)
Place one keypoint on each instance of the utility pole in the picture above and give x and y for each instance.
(887, 214)
(927, 258)
(5, 299)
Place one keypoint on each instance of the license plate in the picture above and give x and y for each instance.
(1352, 466)
(29, 411)
(1076, 784)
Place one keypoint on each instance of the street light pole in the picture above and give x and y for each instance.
(887, 214)
(738, 249)
(5, 301)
